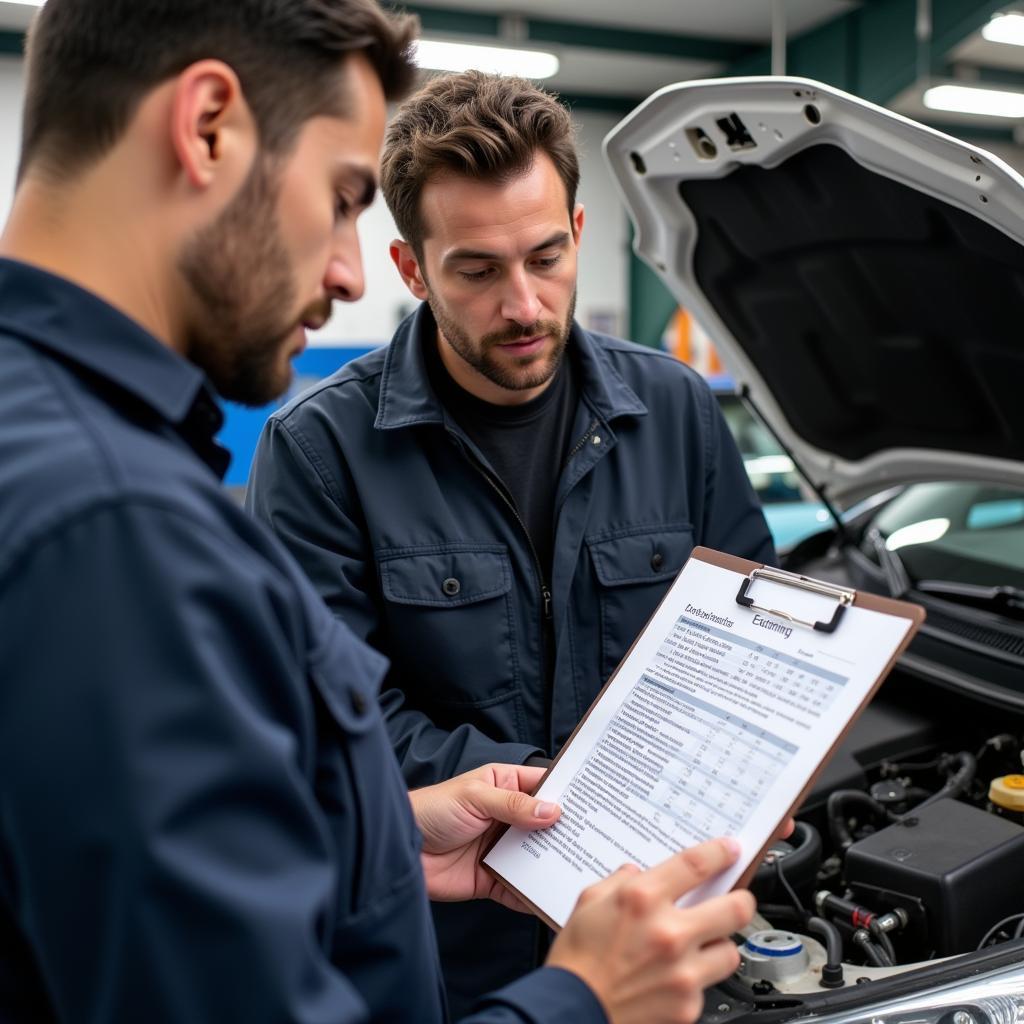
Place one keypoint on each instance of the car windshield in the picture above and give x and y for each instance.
(791, 513)
(969, 535)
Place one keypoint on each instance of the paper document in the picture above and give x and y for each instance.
(712, 726)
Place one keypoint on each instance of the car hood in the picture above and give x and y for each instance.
(862, 275)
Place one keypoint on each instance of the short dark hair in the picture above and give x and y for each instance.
(486, 127)
(91, 62)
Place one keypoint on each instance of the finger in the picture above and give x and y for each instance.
(513, 808)
(511, 901)
(611, 882)
(716, 962)
(529, 777)
(717, 918)
(679, 874)
(515, 776)
(788, 828)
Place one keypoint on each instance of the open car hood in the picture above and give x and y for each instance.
(862, 275)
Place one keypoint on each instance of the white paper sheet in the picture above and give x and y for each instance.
(712, 726)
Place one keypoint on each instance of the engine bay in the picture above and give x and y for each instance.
(909, 851)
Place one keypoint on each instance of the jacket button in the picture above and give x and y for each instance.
(358, 703)
(657, 560)
(451, 586)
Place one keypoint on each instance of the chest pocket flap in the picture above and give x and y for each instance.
(647, 554)
(451, 577)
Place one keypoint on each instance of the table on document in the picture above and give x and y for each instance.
(719, 764)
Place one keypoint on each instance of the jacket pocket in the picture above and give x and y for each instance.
(356, 777)
(634, 567)
(450, 620)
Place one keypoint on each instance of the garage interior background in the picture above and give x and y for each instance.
(611, 57)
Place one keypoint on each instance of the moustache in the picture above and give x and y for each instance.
(318, 312)
(518, 333)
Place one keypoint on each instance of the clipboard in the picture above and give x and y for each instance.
(752, 572)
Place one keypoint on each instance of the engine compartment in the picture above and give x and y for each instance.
(909, 850)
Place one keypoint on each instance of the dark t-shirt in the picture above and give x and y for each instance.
(526, 444)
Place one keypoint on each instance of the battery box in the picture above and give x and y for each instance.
(959, 868)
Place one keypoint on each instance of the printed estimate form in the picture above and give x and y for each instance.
(713, 725)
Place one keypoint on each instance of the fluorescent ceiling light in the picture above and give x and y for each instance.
(1005, 28)
(26, 3)
(494, 59)
(970, 99)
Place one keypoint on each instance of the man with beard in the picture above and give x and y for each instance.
(201, 817)
(499, 499)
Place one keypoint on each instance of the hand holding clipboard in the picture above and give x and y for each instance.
(717, 722)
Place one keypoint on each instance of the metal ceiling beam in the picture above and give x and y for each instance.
(872, 50)
(444, 21)
(572, 33)
(662, 44)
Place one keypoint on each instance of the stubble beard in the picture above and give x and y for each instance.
(522, 374)
(242, 278)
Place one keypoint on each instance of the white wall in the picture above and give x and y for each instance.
(11, 94)
(603, 265)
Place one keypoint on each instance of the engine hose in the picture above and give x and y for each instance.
(843, 798)
(876, 955)
(771, 911)
(957, 783)
(832, 972)
(883, 940)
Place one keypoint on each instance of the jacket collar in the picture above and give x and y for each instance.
(81, 329)
(407, 398)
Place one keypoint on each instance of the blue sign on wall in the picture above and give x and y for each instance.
(242, 426)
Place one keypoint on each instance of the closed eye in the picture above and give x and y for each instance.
(342, 207)
(476, 275)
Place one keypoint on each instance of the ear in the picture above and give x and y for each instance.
(211, 125)
(408, 265)
(577, 223)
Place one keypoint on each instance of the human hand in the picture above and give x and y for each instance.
(647, 960)
(456, 818)
(785, 830)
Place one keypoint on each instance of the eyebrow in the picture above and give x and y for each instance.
(555, 241)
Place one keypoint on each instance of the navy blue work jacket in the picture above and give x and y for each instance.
(201, 818)
(397, 518)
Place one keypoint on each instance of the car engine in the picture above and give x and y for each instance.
(909, 850)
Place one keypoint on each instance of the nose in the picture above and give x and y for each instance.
(519, 301)
(344, 278)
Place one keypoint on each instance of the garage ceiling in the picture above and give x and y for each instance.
(737, 20)
(607, 48)
(613, 54)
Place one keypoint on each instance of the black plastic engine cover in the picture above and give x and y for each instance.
(962, 864)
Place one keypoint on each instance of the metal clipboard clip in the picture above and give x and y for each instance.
(844, 597)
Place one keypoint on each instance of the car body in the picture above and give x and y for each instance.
(862, 277)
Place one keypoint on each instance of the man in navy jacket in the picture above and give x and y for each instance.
(498, 499)
(201, 817)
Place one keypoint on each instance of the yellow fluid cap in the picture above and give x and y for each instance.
(1008, 792)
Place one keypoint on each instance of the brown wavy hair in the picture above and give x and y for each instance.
(484, 127)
